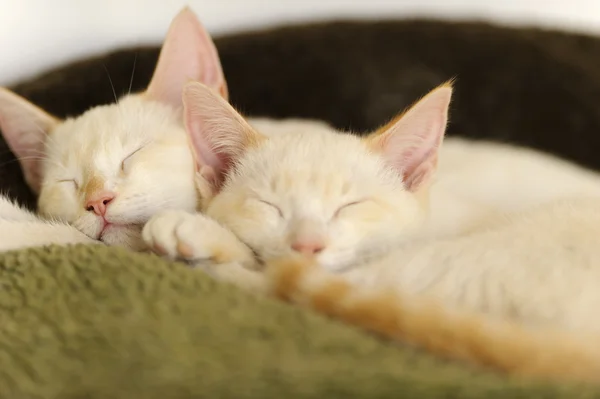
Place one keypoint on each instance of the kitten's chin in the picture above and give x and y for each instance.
(129, 237)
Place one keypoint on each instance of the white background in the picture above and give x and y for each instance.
(37, 34)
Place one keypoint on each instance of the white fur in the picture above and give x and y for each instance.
(478, 178)
(308, 173)
(93, 147)
(540, 267)
(22, 229)
(134, 151)
(161, 175)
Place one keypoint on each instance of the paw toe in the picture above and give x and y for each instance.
(185, 251)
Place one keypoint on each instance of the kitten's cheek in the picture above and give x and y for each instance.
(354, 228)
(61, 215)
(260, 219)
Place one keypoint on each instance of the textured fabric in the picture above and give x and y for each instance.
(98, 322)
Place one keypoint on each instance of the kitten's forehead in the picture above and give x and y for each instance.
(327, 151)
(318, 160)
(129, 118)
(108, 128)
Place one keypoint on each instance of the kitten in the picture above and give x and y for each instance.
(108, 170)
(359, 207)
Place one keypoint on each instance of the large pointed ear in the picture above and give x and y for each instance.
(188, 54)
(24, 127)
(411, 142)
(218, 134)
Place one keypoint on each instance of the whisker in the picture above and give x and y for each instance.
(44, 134)
(111, 83)
(132, 74)
(41, 158)
(48, 139)
(30, 157)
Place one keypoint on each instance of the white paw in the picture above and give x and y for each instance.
(182, 235)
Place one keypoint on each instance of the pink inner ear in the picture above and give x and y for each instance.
(415, 178)
(218, 134)
(216, 131)
(211, 164)
(411, 145)
(188, 54)
(24, 127)
(28, 147)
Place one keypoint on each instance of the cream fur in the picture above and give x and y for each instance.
(470, 247)
(87, 154)
(21, 229)
(300, 176)
(539, 267)
(138, 149)
(135, 152)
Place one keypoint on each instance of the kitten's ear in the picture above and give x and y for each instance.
(188, 54)
(218, 133)
(24, 127)
(411, 142)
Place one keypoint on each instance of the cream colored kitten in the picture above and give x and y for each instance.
(359, 207)
(358, 197)
(107, 171)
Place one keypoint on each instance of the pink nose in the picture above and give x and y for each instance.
(308, 247)
(99, 202)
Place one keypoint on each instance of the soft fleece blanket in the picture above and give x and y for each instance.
(98, 322)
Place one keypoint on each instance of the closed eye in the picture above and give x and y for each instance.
(348, 205)
(71, 181)
(272, 206)
(128, 157)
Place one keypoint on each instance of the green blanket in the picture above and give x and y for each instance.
(98, 322)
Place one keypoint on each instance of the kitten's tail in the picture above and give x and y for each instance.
(427, 323)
